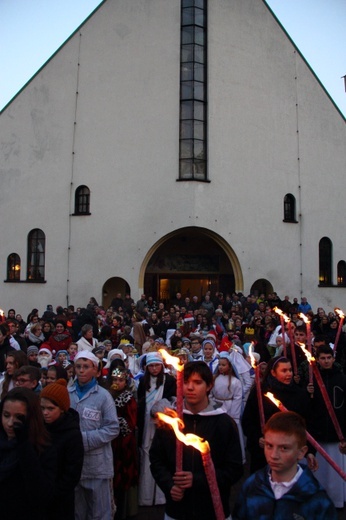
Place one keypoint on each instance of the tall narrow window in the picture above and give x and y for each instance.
(325, 260)
(289, 208)
(193, 91)
(13, 267)
(82, 201)
(342, 273)
(36, 255)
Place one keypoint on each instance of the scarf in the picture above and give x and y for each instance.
(83, 389)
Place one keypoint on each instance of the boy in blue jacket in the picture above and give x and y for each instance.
(284, 488)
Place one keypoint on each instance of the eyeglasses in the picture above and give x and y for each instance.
(23, 380)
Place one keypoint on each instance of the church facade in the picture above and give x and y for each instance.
(173, 145)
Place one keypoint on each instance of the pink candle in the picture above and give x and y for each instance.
(308, 333)
(209, 469)
(258, 387)
(175, 362)
(259, 397)
(293, 349)
(180, 392)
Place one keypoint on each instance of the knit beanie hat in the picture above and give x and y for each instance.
(58, 393)
(32, 350)
(154, 357)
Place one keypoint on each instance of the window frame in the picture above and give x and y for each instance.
(13, 268)
(36, 259)
(82, 201)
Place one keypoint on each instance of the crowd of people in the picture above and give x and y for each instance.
(80, 389)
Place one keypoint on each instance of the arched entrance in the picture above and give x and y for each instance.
(261, 286)
(112, 287)
(191, 261)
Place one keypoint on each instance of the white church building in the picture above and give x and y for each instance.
(173, 145)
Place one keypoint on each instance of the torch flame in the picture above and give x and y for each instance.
(189, 439)
(280, 313)
(309, 357)
(171, 360)
(273, 399)
(252, 357)
(340, 313)
(1, 312)
(303, 317)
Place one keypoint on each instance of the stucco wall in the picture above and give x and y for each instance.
(272, 130)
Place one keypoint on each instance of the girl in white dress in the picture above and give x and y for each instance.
(228, 390)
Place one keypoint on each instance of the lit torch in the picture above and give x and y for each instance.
(258, 387)
(175, 362)
(311, 439)
(326, 398)
(308, 335)
(190, 439)
(341, 315)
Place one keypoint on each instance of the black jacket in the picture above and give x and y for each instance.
(320, 424)
(26, 480)
(221, 432)
(67, 439)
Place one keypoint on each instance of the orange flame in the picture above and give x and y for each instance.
(280, 313)
(309, 357)
(189, 439)
(171, 360)
(303, 317)
(340, 313)
(1, 312)
(273, 399)
(252, 357)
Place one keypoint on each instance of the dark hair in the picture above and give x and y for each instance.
(273, 364)
(324, 349)
(38, 435)
(200, 368)
(290, 423)
(20, 359)
(159, 378)
(230, 373)
(301, 328)
(4, 329)
(11, 320)
(321, 337)
(28, 370)
(60, 322)
(59, 370)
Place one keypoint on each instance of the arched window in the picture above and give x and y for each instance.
(289, 208)
(325, 260)
(82, 201)
(13, 267)
(36, 255)
(342, 273)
